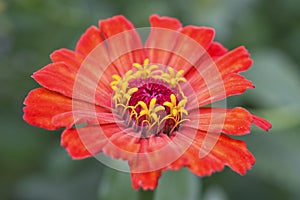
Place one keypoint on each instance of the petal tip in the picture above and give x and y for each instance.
(164, 22)
(262, 123)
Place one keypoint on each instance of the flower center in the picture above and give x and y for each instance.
(149, 91)
(150, 99)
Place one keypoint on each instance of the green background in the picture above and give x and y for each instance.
(33, 166)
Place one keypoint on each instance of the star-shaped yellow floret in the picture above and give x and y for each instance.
(173, 78)
(145, 70)
(176, 110)
(151, 111)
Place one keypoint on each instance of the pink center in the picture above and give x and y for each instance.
(147, 92)
(151, 90)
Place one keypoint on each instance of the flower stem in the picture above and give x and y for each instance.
(146, 194)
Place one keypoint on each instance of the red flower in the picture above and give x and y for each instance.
(147, 103)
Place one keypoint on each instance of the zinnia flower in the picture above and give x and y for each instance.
(150, 103)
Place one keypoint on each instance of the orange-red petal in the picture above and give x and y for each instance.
(162, 39)
(41, 105)
(235, 61)
(213, 89)
(89, 115)
(123, 143)
(216, 80)
(89, 41)
(68, 57)
(83, 142)
(262, 123)
(146, 181)
(235, 121)
(72, 83)
(154, 153)
(107, 138)
(164, 22)
(124, 44)
(51, 110)
(202, 35)
(115, 25)
(210, 152)
(191, 44)
(83, 65)
(57, 77)
(216, 50)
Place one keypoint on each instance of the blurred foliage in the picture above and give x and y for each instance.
(34, 166)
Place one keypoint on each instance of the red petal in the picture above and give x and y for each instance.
(69, 65)
(238, 121)
(235, 61)
(107, 138)
(190, 46)
(202, 35)
(60, 78)
(154, 153)
(122, 142)
(214, 88)
(162, 39)
(115, 25)
(125, 48)
(89, 116)
(236, 84)
(146, 181)
(211, 152)
(164, 22)
(57, 77)
(41, 105)
(73, 144)
(216, 50)
(216, 80)
(68, 57)
(233, 153)
(84, 142)
(235, 121)
(51, 110)
(89, 40)
(262, 123)
(94, 77)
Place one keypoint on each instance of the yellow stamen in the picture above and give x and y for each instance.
(137, 65)
(152, 103)
(150, 112)
(176, 110)
(116, 77)
(115, 82)
(173, 99)
(173, 78)
(145, 70)
(146, 62)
